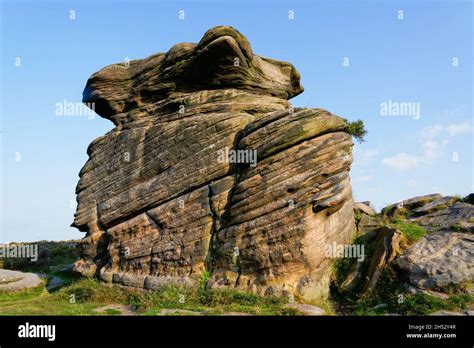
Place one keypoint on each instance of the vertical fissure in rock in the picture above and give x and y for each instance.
(219, 222)
(210, 257)
(102, 257)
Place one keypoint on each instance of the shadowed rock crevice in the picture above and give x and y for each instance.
(170, 208)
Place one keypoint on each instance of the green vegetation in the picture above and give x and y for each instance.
(85, 296)
(410, 230)
(82, 296)
(356, 129)
(456, 289)
(390, 292)
(344, 298)
(357, 217)
(390, 295)
(52, 256)
(343, 265)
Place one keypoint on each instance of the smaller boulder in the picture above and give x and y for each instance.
(368, 223)
(409, 204)
(386, 248)
(54, 284)
(469, 198)
(363, 208)
(454, 218)
(435, 205)
(438, 260)
(14, 280)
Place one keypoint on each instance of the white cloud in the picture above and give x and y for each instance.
(431, 132)
(459, 128)
(432, 144)
(401, 161)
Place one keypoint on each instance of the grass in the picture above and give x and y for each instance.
(411, 231)
(111, 311)
(345, 300)
(390, 296)
(390, 291)
(84, 296)
(38, 301)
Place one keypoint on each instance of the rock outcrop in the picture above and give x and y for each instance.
(436, 213)
(14, 280)
(440, 260)
(209, 168)
(444, 257)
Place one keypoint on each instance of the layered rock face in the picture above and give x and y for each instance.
(209, 168)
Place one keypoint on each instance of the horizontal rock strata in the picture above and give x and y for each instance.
(209, 168)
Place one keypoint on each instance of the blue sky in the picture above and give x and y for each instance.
(408, 60)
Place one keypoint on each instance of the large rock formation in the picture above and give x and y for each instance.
(210, 168)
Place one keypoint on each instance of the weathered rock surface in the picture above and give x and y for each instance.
(457, 217)
(386, 248)
(161, 198)
(366, 219)
(14, 280)
(436, 213)
(55, 283)
(434, 205)
(439, 260)
(363, 208)
(409, 204)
